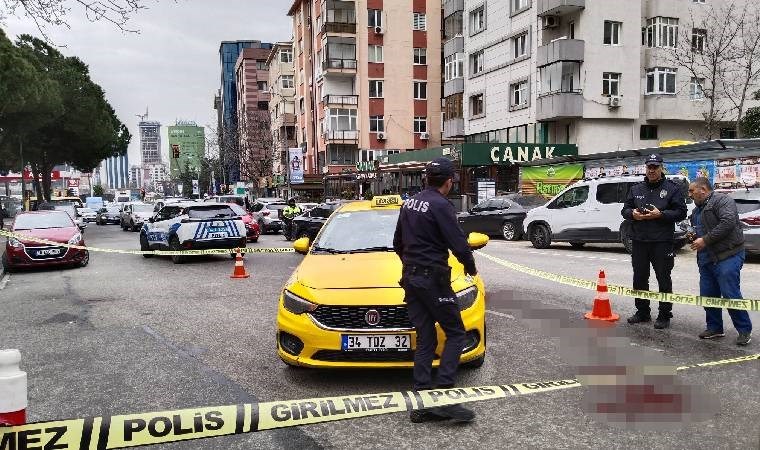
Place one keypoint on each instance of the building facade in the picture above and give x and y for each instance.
(282, 107)
(368, 82)
(252, 82)
(114, 172)
(187, 147)
(150, 142)
(598, 74)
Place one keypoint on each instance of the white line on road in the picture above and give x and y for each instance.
(500, 314)
(566, 255)
(4, 281)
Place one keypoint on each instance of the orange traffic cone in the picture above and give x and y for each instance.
(602, 309)
(239, 271)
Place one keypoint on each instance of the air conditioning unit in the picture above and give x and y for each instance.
(424, 136)
(614, 101)
(379, 30)
(381, 136)
(551, 21)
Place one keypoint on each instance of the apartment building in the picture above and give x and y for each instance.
(595, 73)
(282, 105)
(368, 80)
(252, 84)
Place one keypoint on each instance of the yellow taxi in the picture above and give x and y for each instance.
(343, 307)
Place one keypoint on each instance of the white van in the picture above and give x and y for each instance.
(589, 212)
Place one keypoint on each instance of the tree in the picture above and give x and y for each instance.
(98, 191)
(744, 73)
(750, 124)
(257, 151)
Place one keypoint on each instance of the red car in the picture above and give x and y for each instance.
(55, 226)
(252, 229)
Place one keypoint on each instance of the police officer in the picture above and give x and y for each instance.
(290, 212)
(427, 228)
(654, 206)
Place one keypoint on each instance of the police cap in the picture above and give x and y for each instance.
(654, 160)
(440, 167)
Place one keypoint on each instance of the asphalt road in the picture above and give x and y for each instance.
(128, 334)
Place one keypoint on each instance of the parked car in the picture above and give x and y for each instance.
(748, 206)
(109, 214)
(50, 225)
(310, 222)
(134, 214)
(500, 216)
(87, 214)
(267, 213)
(589, 212)
(252, 229)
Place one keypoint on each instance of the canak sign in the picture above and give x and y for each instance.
(490, 154)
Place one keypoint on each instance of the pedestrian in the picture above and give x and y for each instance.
(719, 242)
(654, 206)
(427, 229)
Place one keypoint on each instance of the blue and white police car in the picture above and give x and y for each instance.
(193, 226)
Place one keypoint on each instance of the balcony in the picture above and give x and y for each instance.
(453, 45)
(339, 66)
(341, 136)
(559, 7)
(339, 17)
(559, 105)
(560, 50)
(453, 128)
(341, 100)
(452, 6)
(453, 86)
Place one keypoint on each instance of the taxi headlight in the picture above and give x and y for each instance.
(466, 297)
(296, 304)
(75, 239)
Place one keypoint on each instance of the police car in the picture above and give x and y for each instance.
(193, 226)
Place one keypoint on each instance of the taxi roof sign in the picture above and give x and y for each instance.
(386, 200)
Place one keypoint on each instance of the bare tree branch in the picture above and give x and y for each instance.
(258, 151)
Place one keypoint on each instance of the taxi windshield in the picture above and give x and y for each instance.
(358, 231)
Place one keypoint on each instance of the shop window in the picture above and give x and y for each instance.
(648, 132)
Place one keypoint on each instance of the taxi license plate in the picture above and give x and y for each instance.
(376, 342)
(49, 252)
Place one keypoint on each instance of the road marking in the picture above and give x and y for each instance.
(4, 281)
(565, 255)
(500, 314)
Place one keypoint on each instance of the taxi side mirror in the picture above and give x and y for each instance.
(477, 241)
(301, 245)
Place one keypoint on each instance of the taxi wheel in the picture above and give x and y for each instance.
(174, 246)
(144, 246)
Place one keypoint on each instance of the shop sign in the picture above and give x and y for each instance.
(549, 181)
(367, 166)
(502, 154)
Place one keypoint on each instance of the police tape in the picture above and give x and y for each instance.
(130, 430)
(215, 251)
(683, 299)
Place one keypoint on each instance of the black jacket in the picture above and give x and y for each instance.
(427, 228)
(723, 232)
(668, 197)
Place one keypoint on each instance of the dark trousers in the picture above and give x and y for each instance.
(723, 279)
(429, 299)
(660, 256)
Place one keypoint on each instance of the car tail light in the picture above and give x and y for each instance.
(265, 213)
(753, 221)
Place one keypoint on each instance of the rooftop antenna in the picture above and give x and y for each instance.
(143, 116)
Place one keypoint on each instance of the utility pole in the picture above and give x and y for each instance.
(23, 184)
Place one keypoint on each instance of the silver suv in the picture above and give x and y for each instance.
(133, 215)
(267, 212)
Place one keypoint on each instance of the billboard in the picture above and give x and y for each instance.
(549, 181)
(295, 165)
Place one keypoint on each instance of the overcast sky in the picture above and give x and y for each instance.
(172, 66)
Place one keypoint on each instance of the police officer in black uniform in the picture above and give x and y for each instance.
(654, 206)
(427, 228)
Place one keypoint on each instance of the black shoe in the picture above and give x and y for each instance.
(743, 339)
(425, 415)
(639, 318)
(711, 334)
(661, 324)
(457, 413)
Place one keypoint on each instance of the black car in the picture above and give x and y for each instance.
(108, 214)
(309, 223)
(500, 216)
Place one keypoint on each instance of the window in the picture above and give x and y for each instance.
(607, 194)
(261, 64)
(419, 22)
(286, 55)
(476, 62)
(610, 84)
(453, 107)
(342, 119)
(420, 90)
(301, 107)
(572, 29)
(520, 45)
(518, 5)
(477, 107)
(661, 32)
(375, 53)
(648, 132)
(519, 93)
(263, 106)
(454, 66)
(573, 197)
(696, 89)
(698, 37)
(261, 85)
(376, 124)
(300, 46)
(286, 81)
(420, 124)
(420, 56)
(376, 88)
(661, 80)
(478, 20)
(452, 26)
(612, 32)
(560, 77)
(697, 1)
(728, 133)
(375, 18)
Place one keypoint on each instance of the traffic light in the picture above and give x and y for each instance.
(175, 151)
